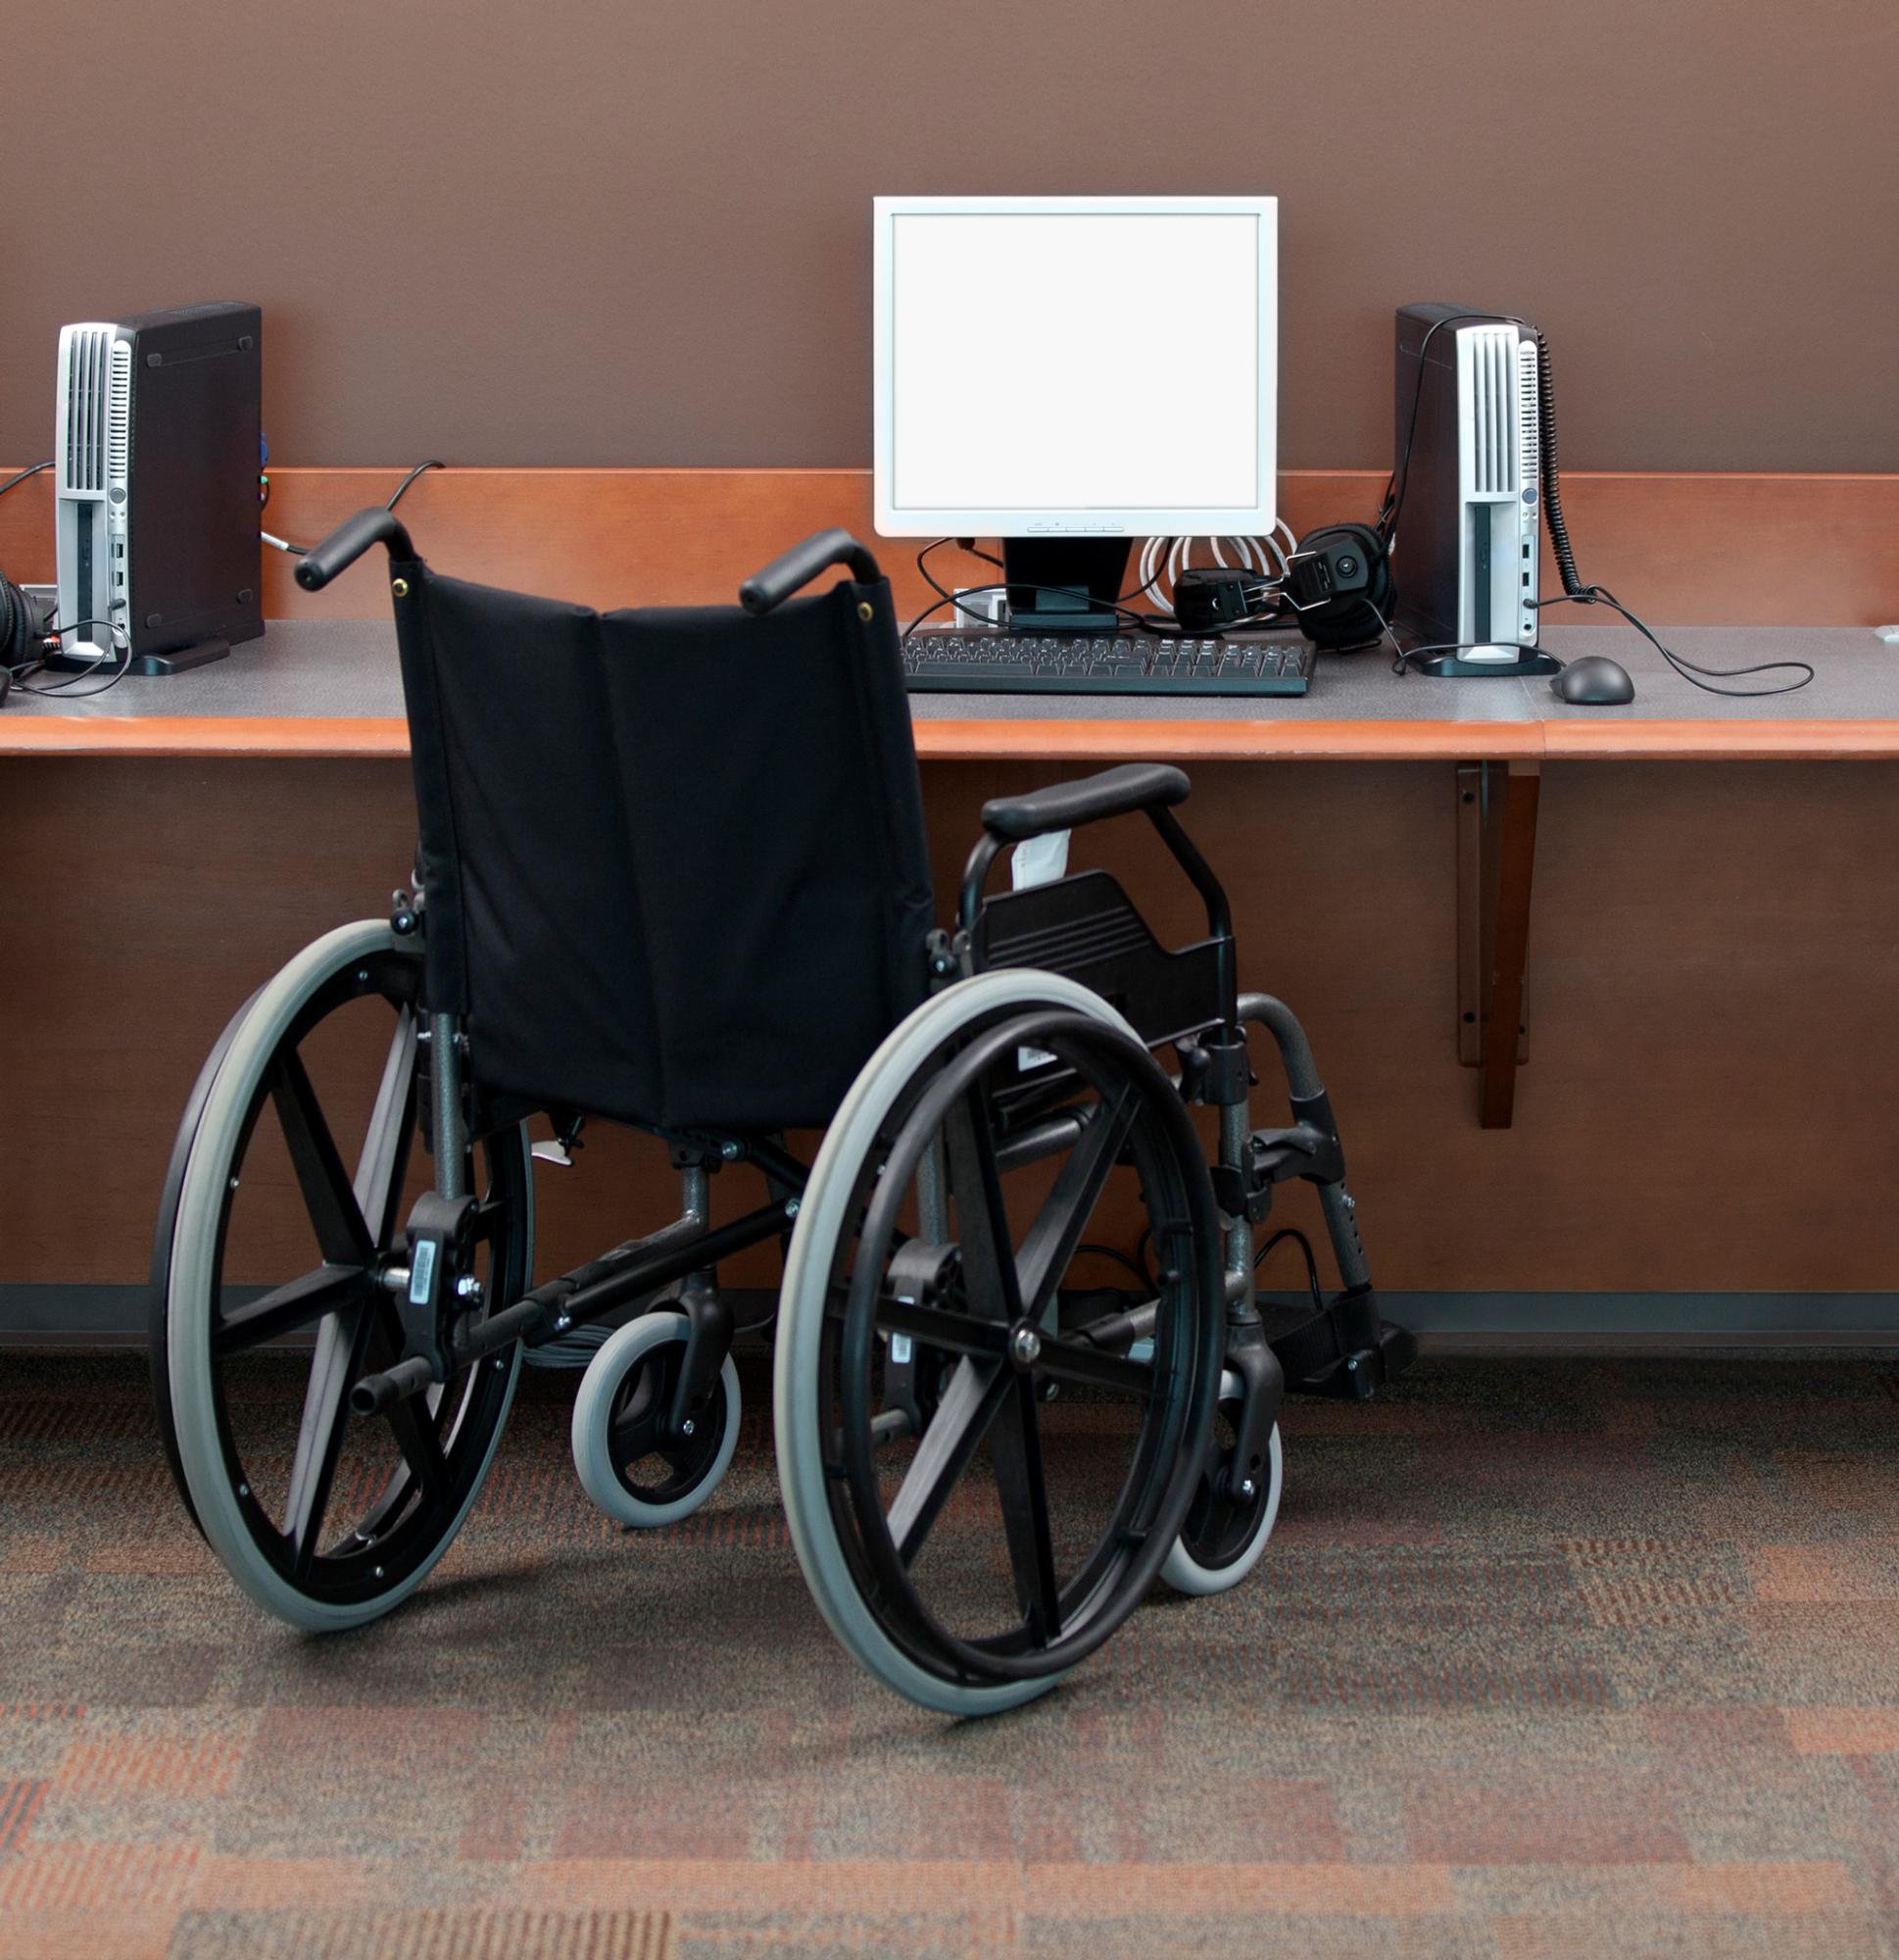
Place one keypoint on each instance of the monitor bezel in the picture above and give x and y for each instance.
(1120, 522)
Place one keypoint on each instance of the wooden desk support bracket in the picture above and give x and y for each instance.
(1496, 855)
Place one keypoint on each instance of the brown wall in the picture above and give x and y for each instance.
(573, 231)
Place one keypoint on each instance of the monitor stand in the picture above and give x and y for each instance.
(1060, 584)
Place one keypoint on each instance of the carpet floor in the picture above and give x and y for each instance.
(1547, 1659)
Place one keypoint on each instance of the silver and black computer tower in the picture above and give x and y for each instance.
(1468, 469)
(155, 506)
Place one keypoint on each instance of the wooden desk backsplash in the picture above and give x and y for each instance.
(1719, 550)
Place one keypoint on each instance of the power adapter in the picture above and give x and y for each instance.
(1209, 598)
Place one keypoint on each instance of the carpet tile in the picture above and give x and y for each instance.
(1547, 1659)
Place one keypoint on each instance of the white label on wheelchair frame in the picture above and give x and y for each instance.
(1038, 860)
(422, 1273)
(899, 1348)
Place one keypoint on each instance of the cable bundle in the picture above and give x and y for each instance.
(1163, 559)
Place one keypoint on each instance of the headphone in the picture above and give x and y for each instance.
(22, 632)
(1339, 583)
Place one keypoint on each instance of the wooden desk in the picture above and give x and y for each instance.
(1706, 992)
(1704, 1128)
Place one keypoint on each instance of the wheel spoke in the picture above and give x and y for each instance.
(414, 1421)
(953, 1333)
(288, 1308)
(1058, 1226)
(1076, 1361)
(963, 1419)
(384, 1161)
(319, 1436)
(1015, 1444)
(411, 1418)
(981, 1217)
(341, 1234)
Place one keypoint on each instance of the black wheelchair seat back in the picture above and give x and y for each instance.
(674, 858)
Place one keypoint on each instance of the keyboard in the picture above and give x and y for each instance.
(950, 662)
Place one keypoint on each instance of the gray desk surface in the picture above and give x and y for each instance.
(346, 671)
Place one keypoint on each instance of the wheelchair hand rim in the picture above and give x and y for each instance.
(1157, 1487)
(232, 1520)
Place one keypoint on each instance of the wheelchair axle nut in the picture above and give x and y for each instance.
(1025, 1346)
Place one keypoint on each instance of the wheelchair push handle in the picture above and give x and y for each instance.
(377, 525)
(802, 563)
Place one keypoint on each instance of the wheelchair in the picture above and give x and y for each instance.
(672, 875)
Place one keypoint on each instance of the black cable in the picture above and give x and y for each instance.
(959, 599)
(302, 551)
(944, 597)
(1596, 595)
(975, 551)
(19, 476)
(1576, 593)
(1305, 1244)
(1386, 526)
(1118, 1258)
(1559, 533)
(1145, 589)
(434, 462)
(63, 689)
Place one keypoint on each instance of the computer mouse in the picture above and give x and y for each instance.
(1594, 681)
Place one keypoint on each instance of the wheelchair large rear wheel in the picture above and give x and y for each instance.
(270, 1295)
(980, 1490)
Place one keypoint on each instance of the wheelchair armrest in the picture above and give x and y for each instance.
(1063, 805)
(802, 563)
(377, 525)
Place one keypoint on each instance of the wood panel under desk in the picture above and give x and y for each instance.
(1714, 958)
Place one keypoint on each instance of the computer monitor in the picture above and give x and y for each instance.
(1067, 373)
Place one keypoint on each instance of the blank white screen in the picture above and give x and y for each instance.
(1075, 360)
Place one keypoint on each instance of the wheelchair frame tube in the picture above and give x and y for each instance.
(1303, 1081)
(445, 1083)
(544, 1312)
(1236, 1126)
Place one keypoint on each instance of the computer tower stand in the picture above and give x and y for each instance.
(1499, 661)
(177, 659)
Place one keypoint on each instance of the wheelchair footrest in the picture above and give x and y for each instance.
(1344, 1351)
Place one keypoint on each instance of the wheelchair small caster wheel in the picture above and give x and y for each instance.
(635, 1474)
(1226, 1530)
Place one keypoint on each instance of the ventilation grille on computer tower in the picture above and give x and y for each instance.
(1529, 428)
(118, 415)
(87, 382)
(1492, 421)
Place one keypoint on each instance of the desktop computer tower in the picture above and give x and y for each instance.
(1468, 478)
(156, 496)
